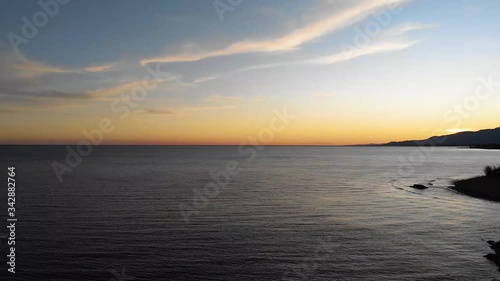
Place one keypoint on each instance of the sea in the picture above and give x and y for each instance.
(246, 213)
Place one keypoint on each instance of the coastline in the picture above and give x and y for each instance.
(486, 146)
(479, 187)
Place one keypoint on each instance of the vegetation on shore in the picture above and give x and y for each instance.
(492, 171)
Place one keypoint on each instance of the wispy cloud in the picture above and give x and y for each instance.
(30, 69)
(34, 105)
(391, 40)
(11, 109)
(115, 90)
(205, 79)
(290, 41)
(157, 111)
(102, 93)
(183, 110)
(403, 29)
(264, 66)
(43, 99)
(376, 48)
(100, 68)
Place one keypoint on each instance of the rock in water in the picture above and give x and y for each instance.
(419, 186)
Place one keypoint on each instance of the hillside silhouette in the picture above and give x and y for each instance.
(489, 138)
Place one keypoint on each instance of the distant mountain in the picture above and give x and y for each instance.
(479, 138)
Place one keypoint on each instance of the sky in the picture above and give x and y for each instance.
(228, 72)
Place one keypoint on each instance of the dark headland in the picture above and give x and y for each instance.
(485, 187)
(484, 139)
(480, 187)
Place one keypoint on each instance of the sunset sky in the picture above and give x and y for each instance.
(352, 72)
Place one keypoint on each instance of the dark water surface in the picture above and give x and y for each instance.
(300, 213)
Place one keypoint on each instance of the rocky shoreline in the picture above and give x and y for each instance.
(495, 246)
(480, 187)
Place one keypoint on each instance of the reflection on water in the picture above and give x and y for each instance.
(310, 213)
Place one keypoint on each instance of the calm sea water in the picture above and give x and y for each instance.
(300, 213)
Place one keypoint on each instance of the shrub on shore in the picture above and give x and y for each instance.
(491, 171)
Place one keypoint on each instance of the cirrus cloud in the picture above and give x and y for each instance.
(291, 41)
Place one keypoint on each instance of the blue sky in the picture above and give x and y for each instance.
(425, 58)
(100, 32)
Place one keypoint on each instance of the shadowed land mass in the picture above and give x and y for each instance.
(487, 139)
(485, 187)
